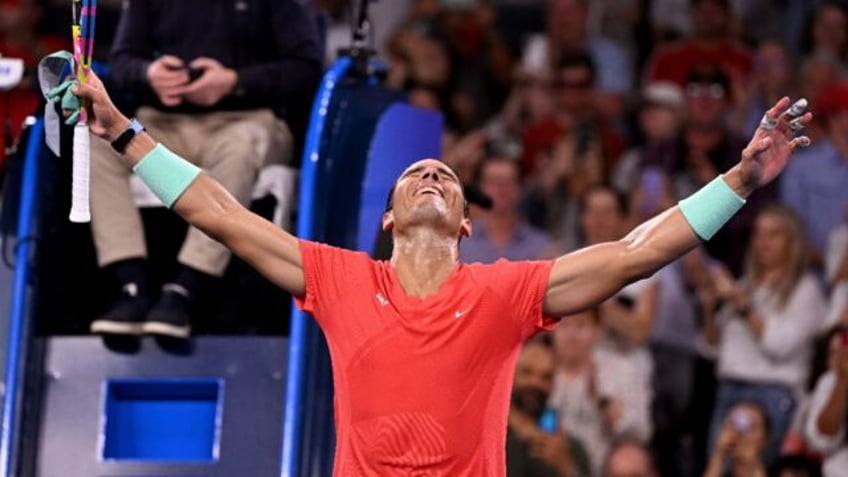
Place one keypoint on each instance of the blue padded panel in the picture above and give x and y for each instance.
(404, 134)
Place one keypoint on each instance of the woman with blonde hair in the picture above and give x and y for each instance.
(765, 330)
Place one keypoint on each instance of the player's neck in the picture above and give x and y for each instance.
(423, 260)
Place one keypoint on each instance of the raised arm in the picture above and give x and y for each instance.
(205, 204)
(585, 278)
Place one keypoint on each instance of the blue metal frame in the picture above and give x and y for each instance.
(297, 337)
(18, 322)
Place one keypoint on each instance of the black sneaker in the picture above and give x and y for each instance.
(125, 316)
(170, 316)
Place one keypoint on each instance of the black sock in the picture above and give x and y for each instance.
(193, 281)
(132, 276)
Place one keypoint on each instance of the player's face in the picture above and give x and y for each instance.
(428, 192)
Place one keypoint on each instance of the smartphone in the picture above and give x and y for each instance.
(549, 421)
(535, 59)
(741, 422)
(193, 73)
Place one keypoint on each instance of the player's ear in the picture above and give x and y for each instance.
(388, 221)
(465, 227)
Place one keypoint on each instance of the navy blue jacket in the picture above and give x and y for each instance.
(272, 44)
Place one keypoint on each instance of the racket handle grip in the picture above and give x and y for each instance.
(80, 176)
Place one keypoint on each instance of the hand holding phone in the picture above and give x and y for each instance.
(168, 77)
(741, 421)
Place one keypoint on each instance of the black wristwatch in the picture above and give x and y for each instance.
(120, 144)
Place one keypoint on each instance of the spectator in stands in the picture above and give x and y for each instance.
(19, 39)
(815, 185)
(667, 302)
(530, 100)
(836, 271)
(617, 20)
(630, 314)
(705, 146)
(224, 85)
(817, 73)
(828, 30)
(823, 60)
(710, 42)
(660, 116)
(826, 422)
(766, 330)
(629, 458)
(601, 395)
(555, 200)
(742, 442)
(532, 449)
(771, 79)
(756, 21)
(575, 87)
(419, 64)
(502, 232)
(568, 34)
(481, 64)
(567, 153)
(795, 465)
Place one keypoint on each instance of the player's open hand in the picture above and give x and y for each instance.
(104, 119)
(774, 141)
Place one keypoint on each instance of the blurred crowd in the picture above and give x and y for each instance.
(580, 119)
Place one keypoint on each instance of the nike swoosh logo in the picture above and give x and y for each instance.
(459, 314)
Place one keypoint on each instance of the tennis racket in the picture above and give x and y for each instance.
(82, 33)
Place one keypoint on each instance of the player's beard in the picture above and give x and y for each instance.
(433, 213)
(530, 401)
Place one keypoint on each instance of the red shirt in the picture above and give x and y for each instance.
(674, 62)
(422, 386)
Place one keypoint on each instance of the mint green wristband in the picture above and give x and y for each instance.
(167, 174)
(711, 207)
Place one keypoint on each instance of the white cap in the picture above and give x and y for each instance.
(663, 93)
(11, 72)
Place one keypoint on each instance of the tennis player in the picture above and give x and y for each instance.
(423, 347)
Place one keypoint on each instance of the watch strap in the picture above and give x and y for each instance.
(121, 142)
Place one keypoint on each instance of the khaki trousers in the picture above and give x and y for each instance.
(230, 146)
